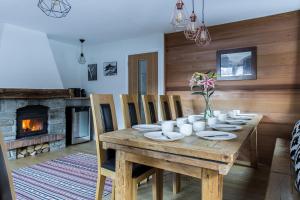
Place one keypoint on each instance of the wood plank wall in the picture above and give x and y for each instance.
(275, 93)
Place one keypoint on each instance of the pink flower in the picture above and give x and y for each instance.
(207, 82)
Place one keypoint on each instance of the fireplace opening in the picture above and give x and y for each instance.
(32, 121)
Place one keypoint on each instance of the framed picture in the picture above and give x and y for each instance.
(92, 72)
(110, 68)
(237, 64)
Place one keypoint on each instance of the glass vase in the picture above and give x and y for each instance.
(208, 112)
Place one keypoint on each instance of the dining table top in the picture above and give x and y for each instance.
(190, 146)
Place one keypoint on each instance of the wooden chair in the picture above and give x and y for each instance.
(104, 117)
(6, 183)
(166, 114)
(130, 109)
(150, 109)
(165, 107)
(176, 106)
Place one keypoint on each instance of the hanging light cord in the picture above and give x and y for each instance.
(193, 6)
(203, 11)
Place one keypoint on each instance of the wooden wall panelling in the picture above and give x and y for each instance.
(275, 93)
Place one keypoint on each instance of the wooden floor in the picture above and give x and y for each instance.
(242, 183)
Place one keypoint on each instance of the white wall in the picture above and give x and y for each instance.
(119, 51)
(26, 60)
(66, 56)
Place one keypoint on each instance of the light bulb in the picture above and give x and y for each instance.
(203, 35)
(179, 17)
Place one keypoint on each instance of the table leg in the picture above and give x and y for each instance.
(123, 178)
(253, 148)
(176, 183)
(212, 185)
(157, 185)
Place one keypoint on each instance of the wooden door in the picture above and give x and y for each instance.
(142, 76)
(135, 63)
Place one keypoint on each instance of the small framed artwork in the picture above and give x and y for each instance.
(92, 72)
(237, 64)
(110, 68)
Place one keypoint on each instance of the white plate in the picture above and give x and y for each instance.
(243, 117)
(247, 114)
(147, 127)
(226, 127)
(166, 137)
(216, 135)
(236, 122)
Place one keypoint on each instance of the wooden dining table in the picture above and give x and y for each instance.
(204, 159)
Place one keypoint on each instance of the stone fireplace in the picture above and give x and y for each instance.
(33, 121)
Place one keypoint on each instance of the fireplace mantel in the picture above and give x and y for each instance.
(13, 93)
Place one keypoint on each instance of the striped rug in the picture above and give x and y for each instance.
(67, 178)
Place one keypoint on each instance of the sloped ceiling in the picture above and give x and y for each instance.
(101, 21)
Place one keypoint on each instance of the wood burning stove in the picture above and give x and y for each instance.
(32, 121)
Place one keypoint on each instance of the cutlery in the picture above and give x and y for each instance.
(166, 136)
(215, 135)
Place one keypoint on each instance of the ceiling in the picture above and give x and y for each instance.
(101, 21)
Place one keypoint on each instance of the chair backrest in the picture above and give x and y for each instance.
(165, 107)
(176, 106)
(130, 109)
(6, 183)
(105, 120)
(150, 109)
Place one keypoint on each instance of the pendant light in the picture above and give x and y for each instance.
(203, 37)
(81, 59)
(55, 8)
(179, 17)
(192, 26)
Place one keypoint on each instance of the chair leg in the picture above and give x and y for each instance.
(113, 190)
(176, 183)
(134, 189)
(157, 185)
(100, 186)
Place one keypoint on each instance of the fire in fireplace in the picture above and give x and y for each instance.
(32, 121)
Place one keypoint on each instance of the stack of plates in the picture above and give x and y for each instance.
(147, 127)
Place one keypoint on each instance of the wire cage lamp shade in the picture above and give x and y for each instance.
(179, 16)
(203, 37)
(192, 26)
(55, 8)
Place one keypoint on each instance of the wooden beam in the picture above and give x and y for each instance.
(14, 93)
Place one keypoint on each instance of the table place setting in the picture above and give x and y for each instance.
(216, 135)
(218, 127)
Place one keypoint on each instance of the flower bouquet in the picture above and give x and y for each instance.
(204, 84)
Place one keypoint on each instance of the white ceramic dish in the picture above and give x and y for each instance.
(164, 137)
(147, 127)
(242, 117)
(216, 135)
(226, 127)
(247, 114)
(236, 122)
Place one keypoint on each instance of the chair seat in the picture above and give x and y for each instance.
(137, 169)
